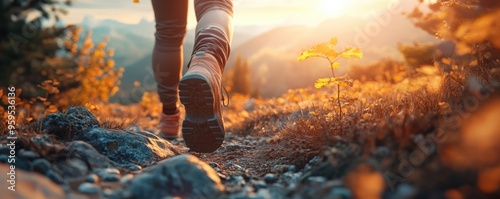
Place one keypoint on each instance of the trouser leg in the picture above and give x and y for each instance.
(171, 20)
(214, 30)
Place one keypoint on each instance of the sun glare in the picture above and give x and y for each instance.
(334, 8)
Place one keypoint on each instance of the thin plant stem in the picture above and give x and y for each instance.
(340, 111)
(338, 95)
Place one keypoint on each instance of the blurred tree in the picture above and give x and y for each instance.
(473, 27)
(417, 55)
(95, 73)
(241, 82)
(471, 24)
(27, 50)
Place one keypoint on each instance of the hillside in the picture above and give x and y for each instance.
(270, 54)
(293, 146)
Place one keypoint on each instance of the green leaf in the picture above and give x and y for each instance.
(351, 52)
(322, 82)
(334, 65)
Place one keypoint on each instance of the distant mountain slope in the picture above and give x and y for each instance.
(272, 53)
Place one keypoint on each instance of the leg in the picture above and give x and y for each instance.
(200, 88)
(171, 20)
(214, 30)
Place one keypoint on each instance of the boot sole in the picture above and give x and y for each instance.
(202, 130)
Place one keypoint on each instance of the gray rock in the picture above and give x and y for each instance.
(340, 193)
(71, 169)
(39, 139)
(292, 178)
(259, 184)
(185, 176)
(41, 166)
(24, 164)
(30, 185)
(130, 148)
(29, 155)
(89, 155)
(109, 174)
(249, 105)
(55, 177)
(239, 180)
(57, 124)
(4, 158)
(270, 178)
(81, 121)
(4, 150)
(88, 188)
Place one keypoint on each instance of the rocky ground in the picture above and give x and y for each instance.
(273, 149)
(77, 158)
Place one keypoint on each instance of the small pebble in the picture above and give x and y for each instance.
(291, 177)
(341, 193)
(316, 179)
(135, 167)
(270, 178)
(126, 178)
(382, 151)
(4, 150)
(279, 168)
(213, 164)
(92, 178)
(41, 165)
(263, 194)
(24, 164)
(30, 155)
(111, 171)
(88, 188)
(54, 177)
(238, 167)
(238, 179)
(259, 184)
(228, 163)
(109, 193)
(4, 158)
(111, 177)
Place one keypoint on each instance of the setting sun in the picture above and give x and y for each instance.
(334, 8)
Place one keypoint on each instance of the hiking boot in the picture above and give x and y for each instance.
(170, 126)
(200, 92)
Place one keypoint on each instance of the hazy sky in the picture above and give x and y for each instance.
(247, 12)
